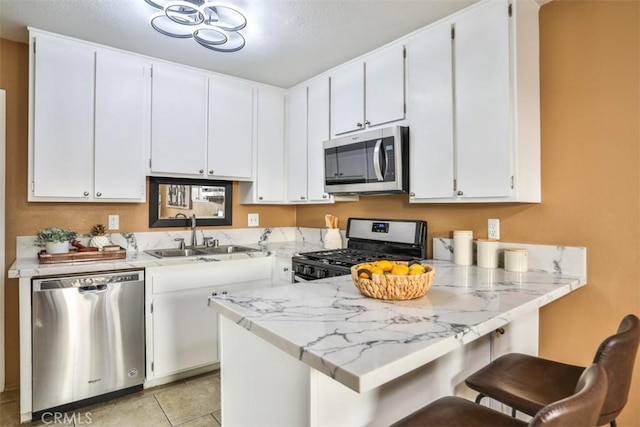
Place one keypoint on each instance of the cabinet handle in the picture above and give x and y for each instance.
(211, 172)
(86, 193)
(359, 124)
(214, 294)
(460, 193)
(201, 170)
(98, 194)
(224, 292)
(324, 196)
(367, 122)
(259, 197)
(412, 194)
(500, 331)
(301, 197)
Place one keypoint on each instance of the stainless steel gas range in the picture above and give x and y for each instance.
(368, 240)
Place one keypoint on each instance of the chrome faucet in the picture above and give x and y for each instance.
(194, 239)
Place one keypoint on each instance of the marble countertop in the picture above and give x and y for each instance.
(364, 343)
(30, 267)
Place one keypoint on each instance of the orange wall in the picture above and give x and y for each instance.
(590, 101)
(590, 95)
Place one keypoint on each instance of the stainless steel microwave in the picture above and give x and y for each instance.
(372, 162)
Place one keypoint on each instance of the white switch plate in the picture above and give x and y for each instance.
(494, 229)
(114, 222)
(253, 219)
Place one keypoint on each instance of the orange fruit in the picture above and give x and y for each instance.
(363, 275)
(418, 268)
(376, 270)
(400, 270)
(385, 265)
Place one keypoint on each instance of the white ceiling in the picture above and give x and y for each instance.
(288, 41)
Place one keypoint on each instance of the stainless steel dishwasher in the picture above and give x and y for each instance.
(88, 338)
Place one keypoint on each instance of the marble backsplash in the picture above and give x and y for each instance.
(142, 241)
(565, 260)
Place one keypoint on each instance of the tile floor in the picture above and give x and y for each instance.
(194, 402)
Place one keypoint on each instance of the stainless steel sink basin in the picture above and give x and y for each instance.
(187, 252)
(228, 249)
(170, 253)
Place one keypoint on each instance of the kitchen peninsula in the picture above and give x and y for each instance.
(322, 354)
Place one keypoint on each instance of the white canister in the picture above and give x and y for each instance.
(487, 253)
(463, 247)
(333, 239)
(516, 259)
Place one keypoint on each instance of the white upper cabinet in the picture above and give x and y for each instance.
(482, 83)
(317, 133)
(308, 128)
(229, 151)
(88, 120)
(369, 92)
(122, 125)
(430, 105)
(269, 182)
(474, 112)
(297, 144)
(178, 121)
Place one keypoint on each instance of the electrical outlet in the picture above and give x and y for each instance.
(494, 229)
(114, 222)
(253, 219)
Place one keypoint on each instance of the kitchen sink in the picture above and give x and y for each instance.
(171, 253)
(200, 251)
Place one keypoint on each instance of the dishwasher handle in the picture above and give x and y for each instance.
(92, 289)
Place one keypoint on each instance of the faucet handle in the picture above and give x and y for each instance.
(210, 242)
(181, 240)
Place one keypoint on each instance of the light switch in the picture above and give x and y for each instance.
(253, 219)
(114, 222)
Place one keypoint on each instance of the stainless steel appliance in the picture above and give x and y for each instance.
(368, 240)
(88, 338)
(372, 162)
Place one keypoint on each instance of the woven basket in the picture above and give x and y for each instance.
(390, 287)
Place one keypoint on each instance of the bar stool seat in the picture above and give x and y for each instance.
(581, 408)
(528, 383)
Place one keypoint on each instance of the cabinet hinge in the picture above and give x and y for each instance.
(453, 32)
(510, 10)
(152, 367)
(404, 51)
(512, 182)
(33, 186)
(151, 308)
(151, 71)
(34, 46)
(149, 162)
(455, 185)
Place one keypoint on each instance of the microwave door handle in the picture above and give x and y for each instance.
(376, 160)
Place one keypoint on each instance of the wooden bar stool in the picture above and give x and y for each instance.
(581, 408)
(528, 383)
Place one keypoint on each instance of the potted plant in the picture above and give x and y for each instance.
(99, 240)
(55, 240)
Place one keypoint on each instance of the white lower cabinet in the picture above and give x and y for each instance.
(181, 330)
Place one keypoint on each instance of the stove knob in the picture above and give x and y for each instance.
(307, 270)
(322, 274)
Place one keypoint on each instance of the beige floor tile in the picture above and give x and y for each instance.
(10, 414)
(198, 397)
(139, 412)
(9, 396)
(204, 421)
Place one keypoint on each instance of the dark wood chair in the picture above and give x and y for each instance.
(528, 383)
(582, 408)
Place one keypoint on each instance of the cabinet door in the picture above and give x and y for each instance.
(384, 97)
(317, 133)
(122, 120)
(270, 161)
(230, 129)
(178, 121)
(63, 119)
(430, 99)
(297, 145)
(185, 331)
(347, 99)
(483, 166)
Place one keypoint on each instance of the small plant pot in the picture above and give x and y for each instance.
(57, 247)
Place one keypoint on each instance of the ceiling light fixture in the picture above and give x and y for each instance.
(211, 24)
